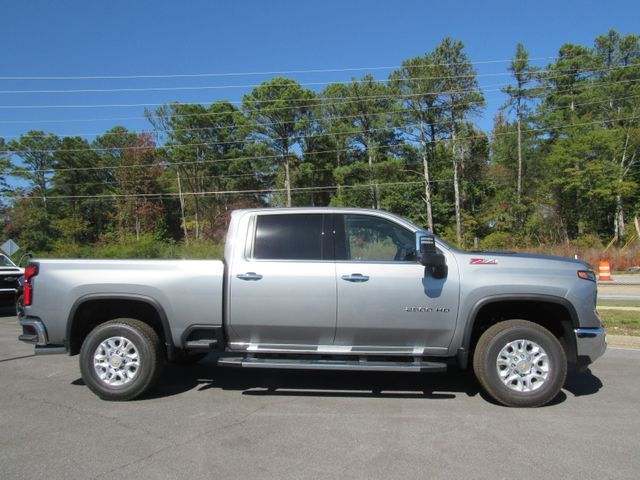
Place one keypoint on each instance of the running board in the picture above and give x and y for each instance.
(421, 366)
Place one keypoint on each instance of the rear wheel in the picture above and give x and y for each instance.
(121, 359)
(520, 364)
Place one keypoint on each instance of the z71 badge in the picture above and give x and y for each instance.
(483, 261)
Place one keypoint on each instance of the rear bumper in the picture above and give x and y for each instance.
(35, 333)
(591, 343)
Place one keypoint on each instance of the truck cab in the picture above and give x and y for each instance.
(336, 281)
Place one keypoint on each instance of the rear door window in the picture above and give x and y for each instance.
(290, 237)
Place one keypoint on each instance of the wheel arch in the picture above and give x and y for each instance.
(94, 309)
(558, 316)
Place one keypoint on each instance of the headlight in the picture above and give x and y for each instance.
(587, 275)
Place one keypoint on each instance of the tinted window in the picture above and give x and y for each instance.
(377, 239)
(289, 237)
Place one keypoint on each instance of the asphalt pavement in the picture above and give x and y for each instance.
(618, 293)
(208, 423)
(624, 288)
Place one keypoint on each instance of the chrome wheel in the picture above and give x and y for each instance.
(116, 361)
(523, 365)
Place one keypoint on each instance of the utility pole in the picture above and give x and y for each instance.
(181, 198)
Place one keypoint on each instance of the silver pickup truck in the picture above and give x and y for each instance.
(321, 288)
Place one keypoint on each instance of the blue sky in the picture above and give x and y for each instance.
(73, 38)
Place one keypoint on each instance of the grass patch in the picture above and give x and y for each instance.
(621, 322)
(146, 247)
(619, 304)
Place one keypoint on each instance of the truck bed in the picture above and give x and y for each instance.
(187, 291)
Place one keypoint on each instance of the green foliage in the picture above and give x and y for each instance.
(587, 241)
(560, 165)
(146, 246)
(280, 112)
(497, 241)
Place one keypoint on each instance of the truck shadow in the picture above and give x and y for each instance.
(274, 382)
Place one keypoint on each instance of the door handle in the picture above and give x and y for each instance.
(355, 277)
(249, 276)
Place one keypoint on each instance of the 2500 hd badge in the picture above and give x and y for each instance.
(426, 309)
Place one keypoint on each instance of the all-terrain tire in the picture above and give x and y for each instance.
(520, 363)
(121, 359)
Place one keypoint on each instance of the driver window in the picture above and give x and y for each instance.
(377, 239)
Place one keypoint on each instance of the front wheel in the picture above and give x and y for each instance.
(520, 364)
(121, 359)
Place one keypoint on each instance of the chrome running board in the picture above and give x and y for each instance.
(324, 364)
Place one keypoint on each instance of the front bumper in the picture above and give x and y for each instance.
(591, 343)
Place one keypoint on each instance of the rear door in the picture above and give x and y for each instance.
(283, 286)
(385, 302)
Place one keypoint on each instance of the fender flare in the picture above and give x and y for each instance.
(124, 296)
(533, 297)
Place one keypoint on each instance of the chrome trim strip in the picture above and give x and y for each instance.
(326, 349)
(589, 332)
(12, 290)
(296, 364)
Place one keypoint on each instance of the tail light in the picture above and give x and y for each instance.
(27, 293)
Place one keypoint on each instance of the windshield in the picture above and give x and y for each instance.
(6, 261)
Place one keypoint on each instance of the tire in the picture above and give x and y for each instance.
(20, 306)
(520, 364)
(185, 359)
(121, 359)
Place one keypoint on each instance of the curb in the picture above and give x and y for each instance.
(621, 307)
(623, 341)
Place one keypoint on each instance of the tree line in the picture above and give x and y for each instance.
(560, 164)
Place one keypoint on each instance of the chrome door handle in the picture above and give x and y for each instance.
(355, 277)
(249, 276)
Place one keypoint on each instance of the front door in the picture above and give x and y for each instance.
(385, 302)
(283, 290)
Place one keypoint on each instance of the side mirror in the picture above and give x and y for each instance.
(434, 262)
(24, 257)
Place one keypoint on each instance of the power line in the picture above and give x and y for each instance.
(174, 115)
(240, 142)
(168, 180)
(240, 74)
(316, 102)
(272, 72)
(554, 74)
(330, 118)
(342, 150)
(221, 192)
(240, 102)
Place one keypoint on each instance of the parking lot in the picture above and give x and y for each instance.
(204, 422)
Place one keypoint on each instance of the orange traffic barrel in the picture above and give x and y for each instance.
(604, 271)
